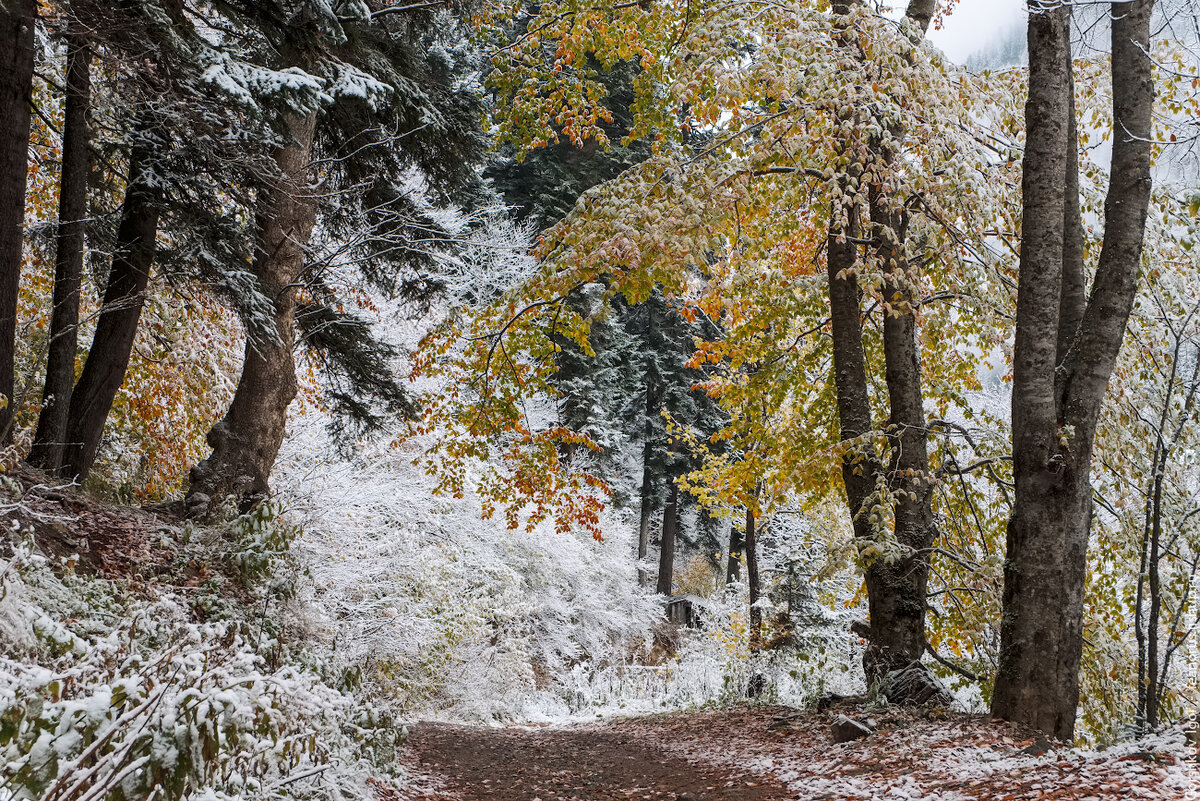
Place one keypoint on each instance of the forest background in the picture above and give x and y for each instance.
(476, 331)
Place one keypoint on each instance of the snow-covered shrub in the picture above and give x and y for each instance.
(715, 665)
(116, 694)
(448, 613)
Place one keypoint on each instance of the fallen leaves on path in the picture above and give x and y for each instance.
(593, 763)
(773, 753)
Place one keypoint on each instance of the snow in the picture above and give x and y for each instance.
(944, 760)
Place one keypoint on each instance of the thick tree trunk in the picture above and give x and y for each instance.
(51, 433)
(1054, 413)
(1038, 679)
(860, 464)
(246, 441)
(120, 310)
(666, 554)
(17, 19)
(896, 591)
(753, 580)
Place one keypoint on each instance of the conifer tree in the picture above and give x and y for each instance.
(636, 374)
(379, 102)
(17, 21)
(51, 435)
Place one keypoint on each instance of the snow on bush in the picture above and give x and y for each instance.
(447, 614)
(112, 691)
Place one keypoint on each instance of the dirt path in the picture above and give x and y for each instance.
(597, 763)
(775, 753)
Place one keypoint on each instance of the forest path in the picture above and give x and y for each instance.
(587, 763)
(766, 753)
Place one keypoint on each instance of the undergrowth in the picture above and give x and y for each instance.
(204, 689)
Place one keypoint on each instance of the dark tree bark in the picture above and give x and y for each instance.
(860, 465)
(666, 555)
(246, 441)
(17, 19)
(1055, 407)
(753, 580)
(896, 591)
(921, 12)
(733, 568)
(120, 310)
(51, 433)
(1146, 621)
(647, 499)
(1073, 292)
(1155, 587)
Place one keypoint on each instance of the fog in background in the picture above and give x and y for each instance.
(976, 27)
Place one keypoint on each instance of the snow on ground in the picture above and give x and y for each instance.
(773, 753)
(936, 758)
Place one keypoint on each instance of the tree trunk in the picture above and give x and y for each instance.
(1055, 407)
(120, 310)
(1151, 670)
(666, 556)
(1037, 675)
(1073, 291)
(733, 568)
(1155, 587)
(860, 464)
(17, 19)
(1139, 619)
(753, 581)
(647, 499)
(896, 591)
(246, 441)
(51, 433)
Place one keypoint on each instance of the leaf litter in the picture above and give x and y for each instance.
(769, 753)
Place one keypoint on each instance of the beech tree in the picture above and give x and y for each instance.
(1065, 350)
(838, 123)
(896, 589)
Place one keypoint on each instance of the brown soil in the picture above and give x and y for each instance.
(594, 763)
(749, 753)
(110, 540)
